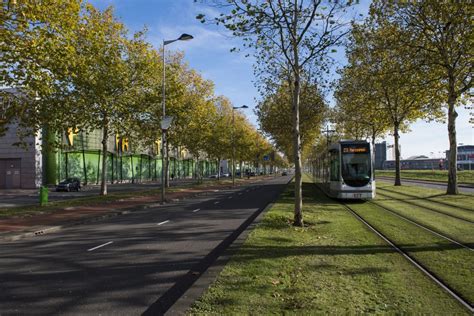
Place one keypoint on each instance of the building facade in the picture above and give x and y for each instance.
(79, 154)
(465, 159)
(417, 163)
(380, 154)
(20, 167)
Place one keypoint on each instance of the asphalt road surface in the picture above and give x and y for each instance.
(14, 198)
(127, 265)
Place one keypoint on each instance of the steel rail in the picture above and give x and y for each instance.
(418, 265)
(428, 208)
(421, 225)
(430, 200)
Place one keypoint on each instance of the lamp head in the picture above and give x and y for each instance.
(185, 37)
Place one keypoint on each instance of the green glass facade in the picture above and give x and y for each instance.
(83, 159)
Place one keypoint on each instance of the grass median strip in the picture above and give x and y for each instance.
(459, 230)
(465, 176)
(464, 201)
(334, 265)
(450, 262)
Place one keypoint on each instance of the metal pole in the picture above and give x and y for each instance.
(233, 147)
(163, 134)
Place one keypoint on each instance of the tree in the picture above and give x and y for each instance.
(219, 143)
(380, 64)
(359, 113)
(111, 69)
(293, 36)
(274, 110)
(439, 36)
(38, 53)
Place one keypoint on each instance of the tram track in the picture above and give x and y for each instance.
(420, 266)
(407, 219)
(456, 295)
(425, 207)
(429, 200)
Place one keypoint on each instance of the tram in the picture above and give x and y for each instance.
(346, 170)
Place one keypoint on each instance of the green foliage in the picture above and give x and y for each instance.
(274, 111)
(78, 67)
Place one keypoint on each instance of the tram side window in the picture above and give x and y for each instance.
(334, 166)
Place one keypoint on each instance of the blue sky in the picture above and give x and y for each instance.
(232, 73)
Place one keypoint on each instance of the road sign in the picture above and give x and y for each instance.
(266, 158)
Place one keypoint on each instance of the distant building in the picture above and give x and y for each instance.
(465, 160)
(380, 154)
(417, 163)
(391, 149)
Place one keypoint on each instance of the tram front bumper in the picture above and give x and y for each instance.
(362, 195)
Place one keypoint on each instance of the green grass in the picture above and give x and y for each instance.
(465, 176)
(413, 203)
(462, 200)
(447, 260)
(333, 265)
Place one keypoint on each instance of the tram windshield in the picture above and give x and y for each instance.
(356, 165)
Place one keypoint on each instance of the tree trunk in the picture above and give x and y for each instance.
(105, 138)
(396, 137)
(298, 214)
(218, 168)
(241, 171)
(453, 149)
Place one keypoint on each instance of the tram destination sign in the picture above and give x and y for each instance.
(355, 149)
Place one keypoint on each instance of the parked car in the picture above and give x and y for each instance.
(68, 185)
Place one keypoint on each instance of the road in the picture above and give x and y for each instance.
(15, 198)
(129, 264)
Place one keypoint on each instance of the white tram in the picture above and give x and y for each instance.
(346, 171)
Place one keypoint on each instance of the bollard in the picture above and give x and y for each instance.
(43, 197)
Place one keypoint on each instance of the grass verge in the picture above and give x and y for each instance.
(29, 210)
(447, 260)
(462, 200)
(334, 265)
(464, 176)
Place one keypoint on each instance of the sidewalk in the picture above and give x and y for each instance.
(14, 228)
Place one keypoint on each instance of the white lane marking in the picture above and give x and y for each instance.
(216, 202)
(229, 197)
(163, 223)
(100, 246)
(196, 210)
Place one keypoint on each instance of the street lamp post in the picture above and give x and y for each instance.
(233, 140)
(164, 156)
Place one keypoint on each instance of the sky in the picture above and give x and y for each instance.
(232, 73)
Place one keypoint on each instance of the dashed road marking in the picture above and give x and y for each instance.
(162, 223)
(196, 210)
(216, 202)
(100, 246)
